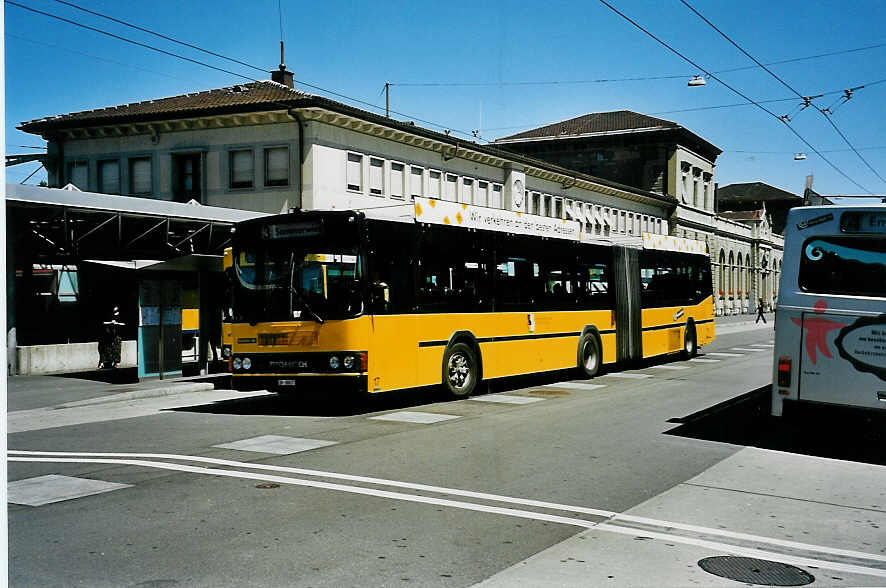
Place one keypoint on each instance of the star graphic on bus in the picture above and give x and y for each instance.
(817, 329)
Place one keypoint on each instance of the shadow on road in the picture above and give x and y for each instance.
(332, 403)
(833, 432)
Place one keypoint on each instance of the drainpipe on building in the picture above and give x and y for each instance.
(301, 152)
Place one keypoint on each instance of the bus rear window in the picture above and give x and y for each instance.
(854, 266)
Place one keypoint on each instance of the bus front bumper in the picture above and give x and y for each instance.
(302, 384)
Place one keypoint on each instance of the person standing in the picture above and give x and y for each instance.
(760, 311)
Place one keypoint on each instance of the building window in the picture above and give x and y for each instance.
(355, 172)
(277, 166)
(496, 201)
(434, 184)
(450, 188)
(535, 206)
(140, 175)
(467, 194)
(481, 197)
(558, 208)
(242, 164)
(398, 178)
(622, 221)
(78, 174)
(416, 183)
(376, 176)
(109, 176)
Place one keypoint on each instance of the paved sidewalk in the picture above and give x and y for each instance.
(68, 391)
(823, 516)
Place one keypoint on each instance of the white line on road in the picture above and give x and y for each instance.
(670, 367)
(721, 354)
(628, 376)
(762, 345)
(703, 360)
(746, 349)
(31, 456)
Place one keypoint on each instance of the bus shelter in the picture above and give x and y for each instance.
(73, 257)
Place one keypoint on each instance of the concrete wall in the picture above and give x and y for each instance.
(66, 358)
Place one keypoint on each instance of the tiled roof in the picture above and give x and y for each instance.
(753, 191)
(596, 122)
(232, 98)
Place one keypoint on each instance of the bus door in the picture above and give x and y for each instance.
(626, 271)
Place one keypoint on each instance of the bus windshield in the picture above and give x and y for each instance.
(284, 283)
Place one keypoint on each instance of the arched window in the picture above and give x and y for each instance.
(739, 290)
(731, 291)
(721, 281)
(747, 285)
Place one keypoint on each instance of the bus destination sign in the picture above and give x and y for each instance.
(294, 230)
(863, 222)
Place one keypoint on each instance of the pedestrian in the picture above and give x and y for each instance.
(109, 343)
(760, 311)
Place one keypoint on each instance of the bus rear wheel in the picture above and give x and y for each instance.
(589, 356)
(690, 342)
(461, 371)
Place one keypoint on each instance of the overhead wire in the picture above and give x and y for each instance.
(807, 100)
(632, 79)
(734, 90)
(197, 62)
(105, 59)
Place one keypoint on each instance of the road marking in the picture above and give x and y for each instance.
(575, 386)
(670, 367)
(411, 416)
(762, 345)
(506, 399)
(721, 354)
(628, 376)
(54, 488)
(24, 456)
(703, 360)
(276, 444)
(746, 349)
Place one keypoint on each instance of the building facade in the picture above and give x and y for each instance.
(267, 147)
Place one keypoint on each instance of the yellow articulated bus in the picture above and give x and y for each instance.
(452, 295)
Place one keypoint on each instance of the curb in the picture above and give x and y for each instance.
(139, 394)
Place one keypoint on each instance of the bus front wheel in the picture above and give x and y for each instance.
(589, 356)
(690, 342)
(460, 370)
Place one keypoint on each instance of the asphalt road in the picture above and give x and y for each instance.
(361, 501)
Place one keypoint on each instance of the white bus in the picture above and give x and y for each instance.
(830, 334)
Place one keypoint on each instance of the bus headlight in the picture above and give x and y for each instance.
(247, 363)
(226, 351)
(334, 362)
(237, 363)
(349, 362)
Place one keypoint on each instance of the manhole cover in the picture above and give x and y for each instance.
(755, 571)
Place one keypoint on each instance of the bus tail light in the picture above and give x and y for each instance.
(784, 372)
(364, 362)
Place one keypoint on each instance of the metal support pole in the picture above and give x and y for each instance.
(387, 100)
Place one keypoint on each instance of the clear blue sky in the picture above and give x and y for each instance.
(353, 48)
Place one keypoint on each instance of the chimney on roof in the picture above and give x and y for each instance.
(281, 76)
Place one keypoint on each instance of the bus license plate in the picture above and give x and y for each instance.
(286, 382)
